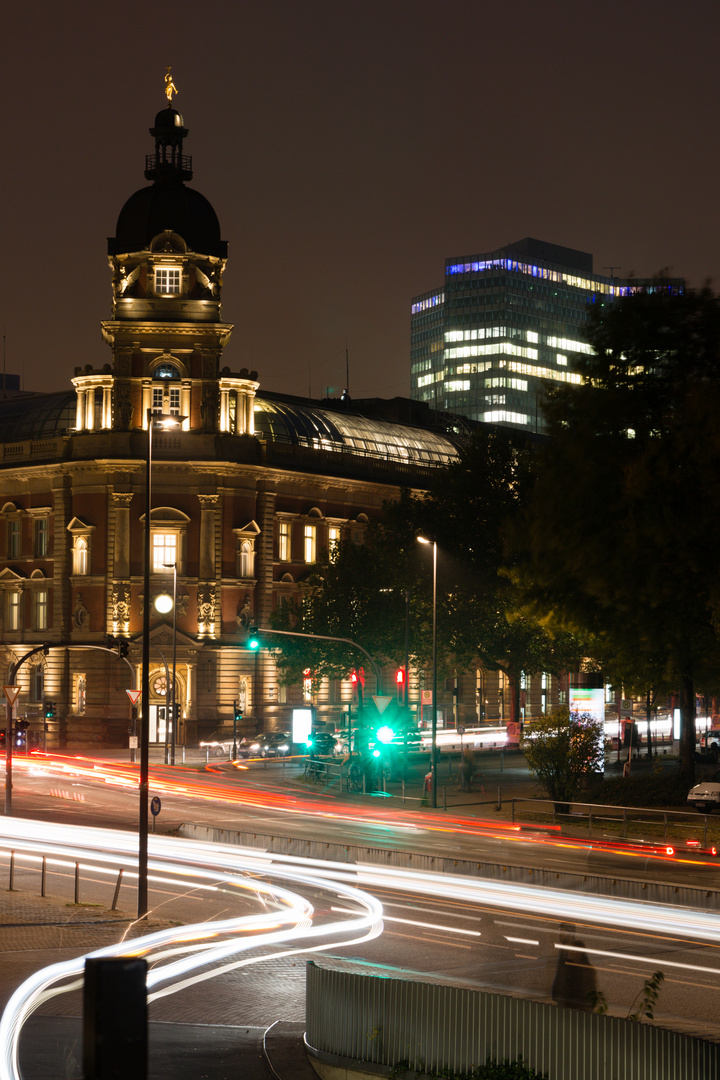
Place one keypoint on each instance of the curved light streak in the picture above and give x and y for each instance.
(179, 954)
(188, 950)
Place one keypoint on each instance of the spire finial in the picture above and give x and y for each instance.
(170, 87)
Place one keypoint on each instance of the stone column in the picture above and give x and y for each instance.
(80, 412)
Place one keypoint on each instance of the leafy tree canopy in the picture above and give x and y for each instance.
(618, 535)
(377, 592)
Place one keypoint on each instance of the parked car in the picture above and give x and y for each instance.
(705, 796)
(322, 742)
(266, 744)
(218, 744)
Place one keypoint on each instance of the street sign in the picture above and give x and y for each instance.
(426, 697)
(11, 693)
(133, 695)
(381, 703)
(155, 805)
(133, 742)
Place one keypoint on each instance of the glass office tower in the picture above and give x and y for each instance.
(503, 324)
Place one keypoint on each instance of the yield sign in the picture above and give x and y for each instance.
(11, 693)
(381, 703)
(133, 695)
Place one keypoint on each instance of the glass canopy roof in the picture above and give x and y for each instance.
(323, 429)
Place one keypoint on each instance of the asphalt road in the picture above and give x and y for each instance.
(466, 944)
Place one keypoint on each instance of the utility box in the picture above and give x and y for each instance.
(115, 1019)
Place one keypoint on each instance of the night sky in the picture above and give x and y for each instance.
(349, 147)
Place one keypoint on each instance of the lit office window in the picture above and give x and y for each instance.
(284, 541)
(40, 609)
(13, 601)
(164, 550)
(333, 541)
(310, 547)
(167, 279)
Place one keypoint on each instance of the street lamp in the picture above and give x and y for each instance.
(162, 420)
(174, 660)
(433, 747)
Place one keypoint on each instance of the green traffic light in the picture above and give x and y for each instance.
(385, 734)
(253, 643)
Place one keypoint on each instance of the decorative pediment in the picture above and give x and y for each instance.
(8, 575)
(252, 529)
(11, 508)
(167, 515)
(77, 525)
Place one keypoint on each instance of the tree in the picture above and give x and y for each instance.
(615, 538)
(562, 750)
(365, 592)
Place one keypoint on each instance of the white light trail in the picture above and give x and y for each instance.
(189, 952)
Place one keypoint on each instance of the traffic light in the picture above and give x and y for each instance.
(49, 710)
(123, 646)
(237, 712)
(385, 734)
(21, 727)
(400, 682)
(253, 640)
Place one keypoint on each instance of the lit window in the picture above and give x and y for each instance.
(13, 600)
(13, 539)
(40, 609)
(174, 400)
(80, 555)
(157, 400)
(167, 279)
(164, 550)
(41, 537)
(284, 541)
(80, 695)
(561, 359)
(333, 541)
(310, 532)
(247, 559)
(532, 336)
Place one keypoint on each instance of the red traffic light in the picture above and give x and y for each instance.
(400, 676)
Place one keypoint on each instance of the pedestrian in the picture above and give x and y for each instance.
(467, 767)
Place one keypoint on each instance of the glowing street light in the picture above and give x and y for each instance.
(433, 746)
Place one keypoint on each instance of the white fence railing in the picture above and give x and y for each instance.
(389, 1026)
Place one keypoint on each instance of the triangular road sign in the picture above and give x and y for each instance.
(133, 695)
(381, 703)
(11, 693)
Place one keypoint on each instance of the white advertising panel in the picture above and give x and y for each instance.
(301, 725)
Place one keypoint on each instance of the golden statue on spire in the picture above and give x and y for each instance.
(170, 87)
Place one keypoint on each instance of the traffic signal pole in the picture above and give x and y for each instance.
(326, 637)
(9, 733)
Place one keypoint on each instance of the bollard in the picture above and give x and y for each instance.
(403, 789)
(11, 885)
(77, 882)
(444, 797)
(117, 889)
(500, 802)
(183, 750)
(43, 874)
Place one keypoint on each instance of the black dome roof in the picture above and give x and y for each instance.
(167, 119)
(168, 206)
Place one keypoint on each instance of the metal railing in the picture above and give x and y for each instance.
(400, 1027)
(625, 821)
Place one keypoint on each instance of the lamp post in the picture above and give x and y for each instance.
(162, 420)
(174, 662)
(433, 746)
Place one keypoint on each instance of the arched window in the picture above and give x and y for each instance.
(80, 555)
(247, 559)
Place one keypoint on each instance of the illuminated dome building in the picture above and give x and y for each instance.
(246, 492)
